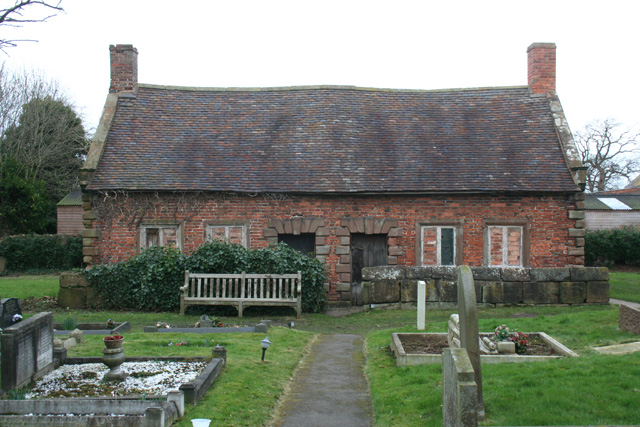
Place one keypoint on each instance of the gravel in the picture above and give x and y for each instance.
(150, 378)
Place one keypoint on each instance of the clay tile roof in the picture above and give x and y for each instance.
(333, 140)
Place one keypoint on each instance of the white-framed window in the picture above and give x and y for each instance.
(234, 233)
(505, 244)
(438, 245)
(159, 235)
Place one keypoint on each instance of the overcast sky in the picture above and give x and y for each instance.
(386, 44)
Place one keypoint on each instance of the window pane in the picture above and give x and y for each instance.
(495, 245)
(446, 246)
(429, 246)
(304, 243)
(170, 236)
(217, 233)
(152, 237)
(514, 246)
(235, 235)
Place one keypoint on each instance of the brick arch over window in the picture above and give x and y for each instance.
(295, 226)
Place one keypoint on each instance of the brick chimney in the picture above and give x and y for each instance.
(124, 68)
(541, 61)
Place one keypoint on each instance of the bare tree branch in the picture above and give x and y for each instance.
(15, 16)
(610, 154)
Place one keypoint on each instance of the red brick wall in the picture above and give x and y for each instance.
(124, 68)
(546, 216)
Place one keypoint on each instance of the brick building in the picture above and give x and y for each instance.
(357, 176)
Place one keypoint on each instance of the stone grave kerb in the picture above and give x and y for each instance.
(468, 312)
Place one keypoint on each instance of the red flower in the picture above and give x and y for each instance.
(113, 338)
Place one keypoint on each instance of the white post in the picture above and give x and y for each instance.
(422, 296)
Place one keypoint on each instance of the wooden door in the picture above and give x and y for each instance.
(367, 250)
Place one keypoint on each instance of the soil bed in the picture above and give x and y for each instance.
(433, 344)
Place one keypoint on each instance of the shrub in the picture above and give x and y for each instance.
(151, 281)
(616, 246)
(41, 252)
(283, 259)
(218, 257)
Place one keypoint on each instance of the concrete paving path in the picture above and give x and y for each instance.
(330, 389)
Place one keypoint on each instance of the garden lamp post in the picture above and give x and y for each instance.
(265, 343)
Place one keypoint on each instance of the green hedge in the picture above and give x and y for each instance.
(151, 280)
(616, 246)
(41, 252)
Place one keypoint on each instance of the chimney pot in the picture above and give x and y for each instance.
(541, 61)
(124, 68)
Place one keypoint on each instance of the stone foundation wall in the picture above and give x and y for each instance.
(629, 319)
(75, 292)
(568, 285)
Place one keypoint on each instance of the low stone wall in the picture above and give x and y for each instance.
(496, 286)
(75, 292)
(629, 319)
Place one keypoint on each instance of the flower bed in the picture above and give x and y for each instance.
(435, 342)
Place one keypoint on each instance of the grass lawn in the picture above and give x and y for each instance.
(590, 390)
(625, 286)
(248, 390)
(29, 286)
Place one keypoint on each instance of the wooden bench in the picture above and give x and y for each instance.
(242, 290)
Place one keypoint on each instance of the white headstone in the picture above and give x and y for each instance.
(422, 296)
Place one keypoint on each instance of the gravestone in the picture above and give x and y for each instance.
(459, 389)
(9, 307)
(422, 298)
(205, 322)
(468, 312)
(27, 351)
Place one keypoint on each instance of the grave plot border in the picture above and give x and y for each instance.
(407, 359)
(98, 411)
(94, 328)
(131, 412)
(193, 390)
(184, 329)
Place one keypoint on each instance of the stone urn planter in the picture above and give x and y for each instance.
(114, 357)
(113, 341)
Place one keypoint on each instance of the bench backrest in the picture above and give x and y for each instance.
(244, 286)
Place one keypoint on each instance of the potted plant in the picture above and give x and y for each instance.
(113, 341)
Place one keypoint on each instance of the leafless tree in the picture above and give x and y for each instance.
(610, 153)
(25, 11)
(41, 136)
